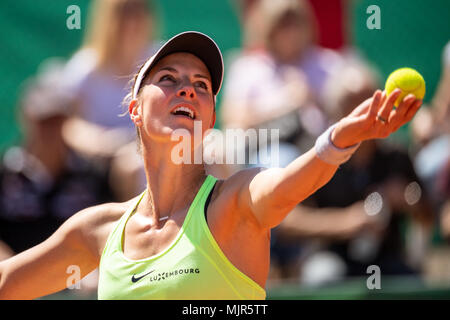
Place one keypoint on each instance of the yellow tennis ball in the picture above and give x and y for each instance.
(408, 80)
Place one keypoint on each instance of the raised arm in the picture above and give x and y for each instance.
(43, 269)
(271, 194)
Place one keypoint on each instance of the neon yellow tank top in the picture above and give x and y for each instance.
(192, 267)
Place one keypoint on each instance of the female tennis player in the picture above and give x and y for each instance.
(188, 235)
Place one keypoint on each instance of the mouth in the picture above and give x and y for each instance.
(184, 111)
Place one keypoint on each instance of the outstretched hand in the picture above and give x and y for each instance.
(375, 118)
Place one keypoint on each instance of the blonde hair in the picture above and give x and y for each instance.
(266, 14)
(105, 17)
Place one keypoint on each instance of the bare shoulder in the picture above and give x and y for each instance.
(94, 224)
(239, 180)
(229, 195)
(239, 184)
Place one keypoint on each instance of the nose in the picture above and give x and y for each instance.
(186, 91)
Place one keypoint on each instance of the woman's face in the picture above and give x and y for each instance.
(175, 94)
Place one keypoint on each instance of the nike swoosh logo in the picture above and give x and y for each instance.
(136, 279)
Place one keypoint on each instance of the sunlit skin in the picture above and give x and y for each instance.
(242, 210)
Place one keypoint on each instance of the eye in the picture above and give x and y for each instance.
(202, 85)
(167, 77)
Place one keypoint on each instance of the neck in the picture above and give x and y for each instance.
(170, 187)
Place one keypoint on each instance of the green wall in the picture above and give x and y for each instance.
(412, 33)
(31, 31)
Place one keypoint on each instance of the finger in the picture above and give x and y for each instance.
(409, 114)
(382, 102)
(406, 103)
(366, 105)
(388, 104)
(375, 104)
(413, 110)
(397, 115)
(361, 109)
(383, 97)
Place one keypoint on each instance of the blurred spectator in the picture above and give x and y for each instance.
(443, 188)
(127, 176)
(441, 100)
(329, 22)
(431, 133)
(375, 210)
(43, 181)
(118, 39)
(278, 85)
(276, 82)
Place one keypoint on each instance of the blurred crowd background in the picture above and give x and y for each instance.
(293, 65)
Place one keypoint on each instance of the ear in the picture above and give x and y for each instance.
(133, 110)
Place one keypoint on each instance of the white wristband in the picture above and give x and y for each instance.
(328, 152)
